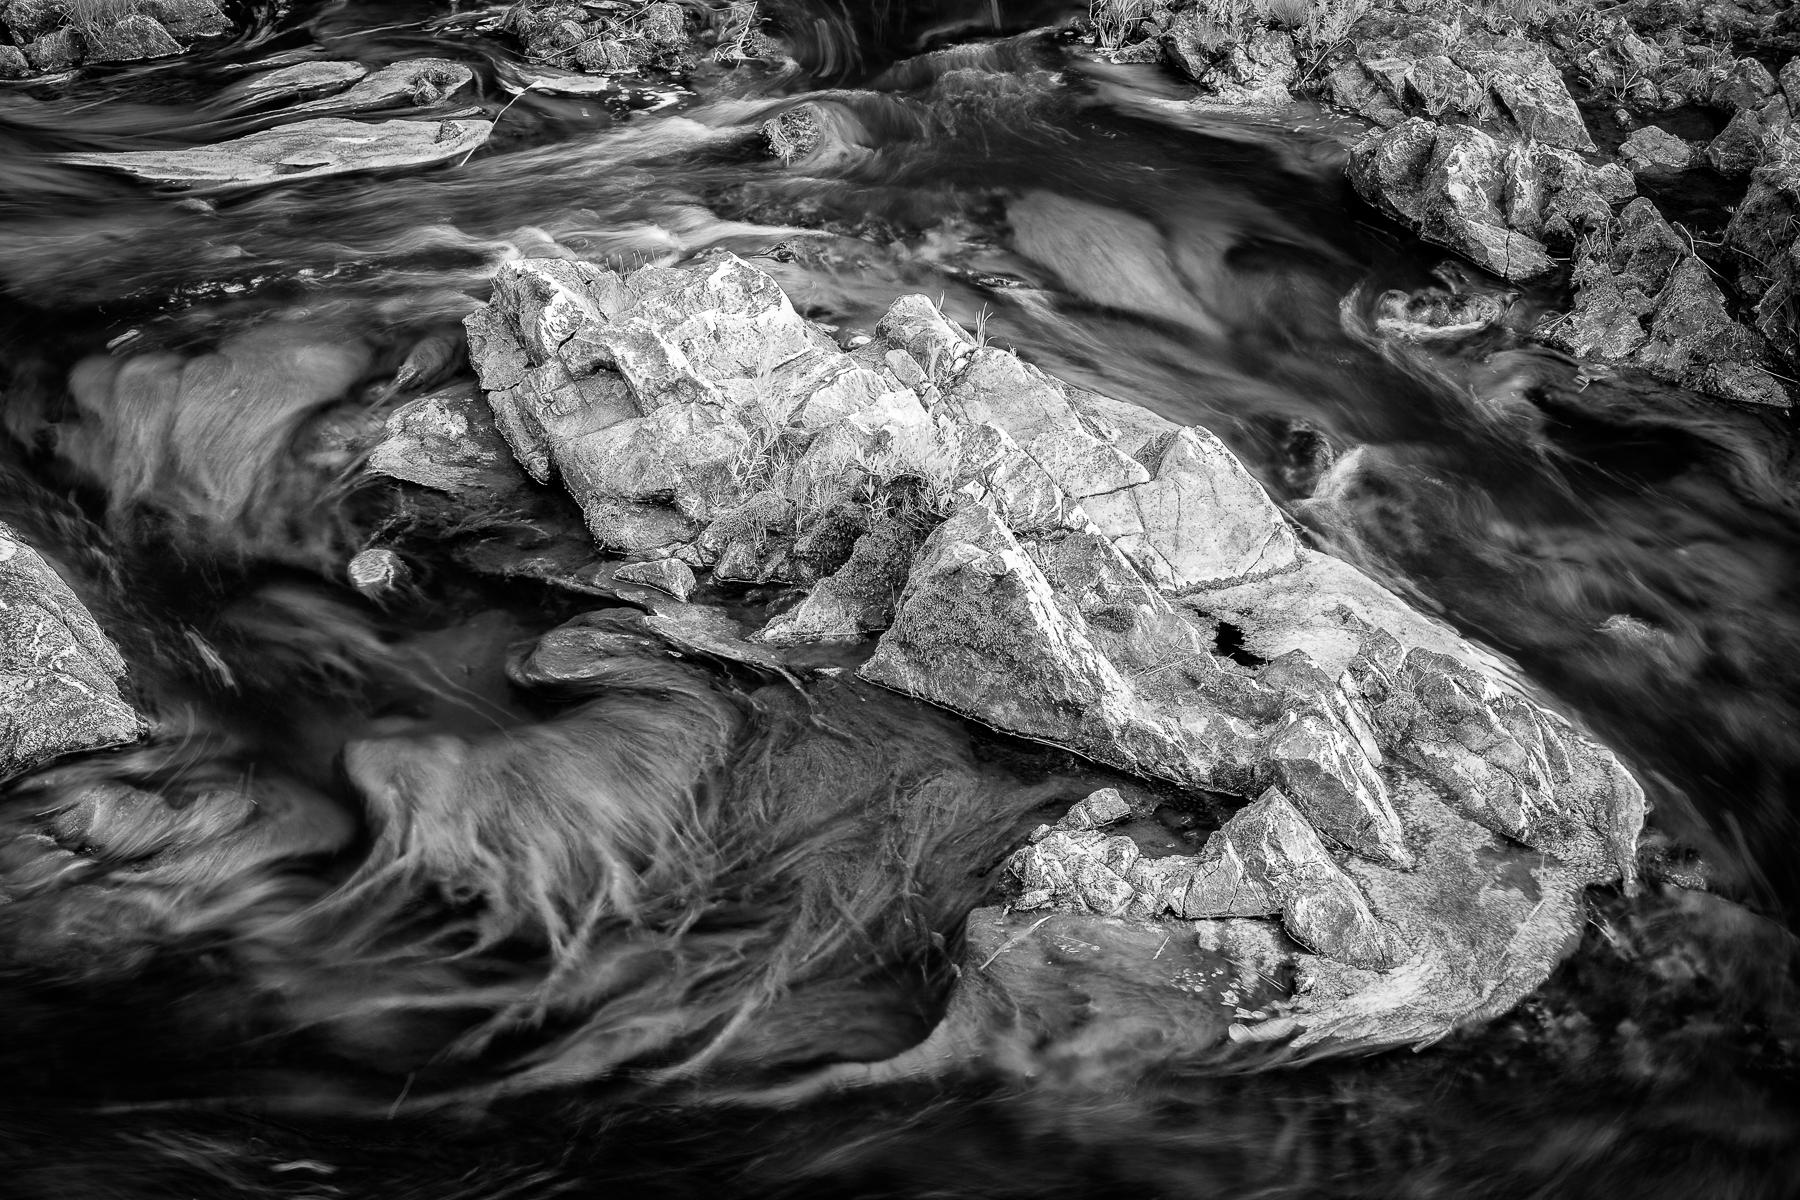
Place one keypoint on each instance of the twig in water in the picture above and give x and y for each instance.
(496, 124)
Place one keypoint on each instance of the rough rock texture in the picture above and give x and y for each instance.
(55, 36)
(57, 50)
(129, 39)
(418, 83)
(1643, 299)
(1653, 150)
(59, 675)
(1402, 65)
(1494, 202)
(1641, 61)
(189, 18)
(1090, 576)
(298, 82)
(1255, 69)
(303, 150)
(377, 572)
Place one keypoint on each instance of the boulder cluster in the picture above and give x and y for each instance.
(1482, 144)
(54, 35)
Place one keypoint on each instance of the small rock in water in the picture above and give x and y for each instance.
(377, 572)
(13, 63)
(669, 575)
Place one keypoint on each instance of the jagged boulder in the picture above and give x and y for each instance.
(1078, 571)
(59, 675)
(303, 150)
(1496, 203)
(127, 40)
(1402, 65)
(1643, 299)
(1256, 68)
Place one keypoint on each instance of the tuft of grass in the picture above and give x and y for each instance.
(1117, 23)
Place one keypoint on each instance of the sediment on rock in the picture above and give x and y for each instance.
(1071, 569)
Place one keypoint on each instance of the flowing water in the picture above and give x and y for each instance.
(310, 1031)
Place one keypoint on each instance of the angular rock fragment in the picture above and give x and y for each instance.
(1091, 576)
(669, 575)
(418, 83)
(304, 150)
(1460, 189)
(446, 440)
(300, 81)
(59, 674)
(1656, 151)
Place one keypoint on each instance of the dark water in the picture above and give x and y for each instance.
(288, 1018)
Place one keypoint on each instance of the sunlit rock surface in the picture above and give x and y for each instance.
(1417, 825)
(59, 675)
(303, 150)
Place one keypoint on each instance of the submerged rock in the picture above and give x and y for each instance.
(1083, 573)
(304, 150)
(59, 675)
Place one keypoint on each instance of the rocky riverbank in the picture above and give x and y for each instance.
(1597, 146)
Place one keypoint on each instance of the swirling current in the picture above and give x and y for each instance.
(213, 1028)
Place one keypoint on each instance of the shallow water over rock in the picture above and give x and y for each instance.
(244, 426)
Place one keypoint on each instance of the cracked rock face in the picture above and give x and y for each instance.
(1417, 828)
(59, 675)
(1402, 66)
(1500, 204)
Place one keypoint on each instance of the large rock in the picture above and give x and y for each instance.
(1644, 300)
(302, 150)
(59, 675)
(1256, 68)
(1495, 203)
(1401, 66)
(128, 39)
(1096, 578)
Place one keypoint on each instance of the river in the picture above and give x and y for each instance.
(1632, 547)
